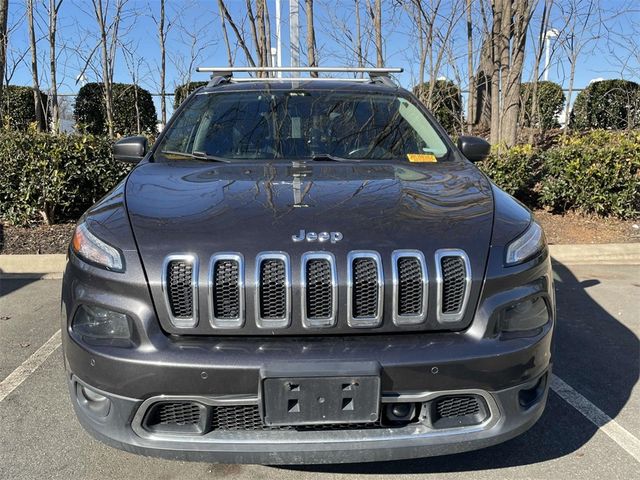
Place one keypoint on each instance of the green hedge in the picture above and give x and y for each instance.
(91, 116)
(550, 100)
(596, 173)
(19, 106)
(608, 104)
(446, 101)
(516, 171)
(183, 91)
(56, 177)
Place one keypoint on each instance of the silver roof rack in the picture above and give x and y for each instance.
(225, 74)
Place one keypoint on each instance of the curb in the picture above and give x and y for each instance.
(52, 266)
(596, 254)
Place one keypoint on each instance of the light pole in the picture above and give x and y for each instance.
(549, 34)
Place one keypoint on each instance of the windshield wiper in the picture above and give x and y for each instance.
(327, 157)
(197, 155)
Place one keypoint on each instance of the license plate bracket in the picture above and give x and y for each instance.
(320, 400)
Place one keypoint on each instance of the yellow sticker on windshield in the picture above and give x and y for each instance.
(421, 158)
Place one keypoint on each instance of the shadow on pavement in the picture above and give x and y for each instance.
(594, 353)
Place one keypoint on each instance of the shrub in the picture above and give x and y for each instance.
(609, 104)
(19, 106)
(53, 177)
(446, 103)
(595, 173)
(183, 91)
(91, 115)
(550, 100)
(516, 171)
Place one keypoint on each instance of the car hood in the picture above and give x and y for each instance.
(204, 208)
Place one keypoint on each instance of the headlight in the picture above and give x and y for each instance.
(93, 250)
(525, 315)
(99, 325)
(526, 245)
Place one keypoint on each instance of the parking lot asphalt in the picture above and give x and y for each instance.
(597, 355)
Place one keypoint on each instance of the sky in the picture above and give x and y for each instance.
(195, 38)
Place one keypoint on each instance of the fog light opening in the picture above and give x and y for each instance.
(92, 402)
(530, 396)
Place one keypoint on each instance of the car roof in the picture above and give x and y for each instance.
(285, 84)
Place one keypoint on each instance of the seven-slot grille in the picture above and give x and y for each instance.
(319, 289)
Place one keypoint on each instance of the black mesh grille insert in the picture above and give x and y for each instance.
(453, 284)
(365, 288)
(457, 406)
(180, 290)
(247, 417)
(273, 289)
(319, 289)
(410, 286)
(226, 289)
(179, 413)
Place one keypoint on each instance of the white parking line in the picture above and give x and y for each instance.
(596, 416)
(29, 366)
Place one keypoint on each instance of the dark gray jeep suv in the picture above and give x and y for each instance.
(306, 271)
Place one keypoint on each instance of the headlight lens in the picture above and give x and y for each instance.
(100, 325)
(90, 248)
(526, 245)
(525, 315)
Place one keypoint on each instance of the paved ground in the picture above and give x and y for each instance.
(597, 354)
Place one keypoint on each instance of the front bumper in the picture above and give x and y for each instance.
(508, 419)
(410, 366)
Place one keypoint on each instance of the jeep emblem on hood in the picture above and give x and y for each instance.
(317, 237)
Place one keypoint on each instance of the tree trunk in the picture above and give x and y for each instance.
(267, 33)
(496, 75)
(378, 29)
(106, 70)
(224, 32)
(511, 88)
(4, 14)
(163, 68)
(358, 38)
(311, 37)
(470, 70)
(37, 96)
(54, 6)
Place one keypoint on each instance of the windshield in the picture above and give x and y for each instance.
(300, 124)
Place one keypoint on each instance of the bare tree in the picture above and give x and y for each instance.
(37, 96)
(376, 15)
(54, 7)
(471, 101)
(164, 26)
(224, 32)
(239, 35)
(578, 16)
(108, 44)
(358, 37)
(4, 14)
(311, 37)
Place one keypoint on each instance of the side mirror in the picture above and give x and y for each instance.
(130, 149)
(474, 148)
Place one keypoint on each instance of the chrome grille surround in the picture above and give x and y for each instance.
(369, 321)
(285, 320)
(192, 260)
(325, 321)
(403, 319)
(450, 317)
(238, 321)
